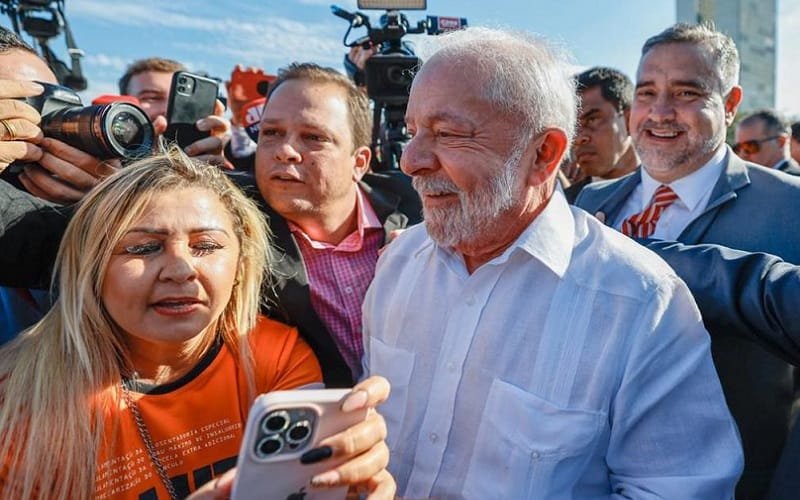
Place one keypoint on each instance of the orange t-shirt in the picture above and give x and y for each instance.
(196, 423)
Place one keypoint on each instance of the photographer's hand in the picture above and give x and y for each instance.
(19, 130)
(64, 173)
(211, 148)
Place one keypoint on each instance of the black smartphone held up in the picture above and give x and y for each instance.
(191, 98)
(283, 425)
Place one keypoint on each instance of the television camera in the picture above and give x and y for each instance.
(44, 20)
(389, 72)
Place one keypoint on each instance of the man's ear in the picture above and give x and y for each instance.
(550, 146)
(361, 159)
(782, 140)
(626, 115)
(732, 101)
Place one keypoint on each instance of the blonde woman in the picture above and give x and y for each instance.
(137, 383)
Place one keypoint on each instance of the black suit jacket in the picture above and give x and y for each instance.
(756, 209)
(31, 230)
(396, 204)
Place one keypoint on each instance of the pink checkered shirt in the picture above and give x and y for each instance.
(338, 277)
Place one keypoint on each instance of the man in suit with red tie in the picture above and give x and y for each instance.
(692, 188)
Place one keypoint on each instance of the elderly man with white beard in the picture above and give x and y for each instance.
(532, 352)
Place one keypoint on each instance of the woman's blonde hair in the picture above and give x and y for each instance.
(54, 377)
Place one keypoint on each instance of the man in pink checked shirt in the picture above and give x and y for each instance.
(329, 214)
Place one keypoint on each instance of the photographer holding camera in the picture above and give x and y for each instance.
(149, 81)
(48, 168)
(61, 173)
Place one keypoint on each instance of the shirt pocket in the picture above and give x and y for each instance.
(396, 365)
(528, 447)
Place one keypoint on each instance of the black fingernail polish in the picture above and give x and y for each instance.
(316, 455)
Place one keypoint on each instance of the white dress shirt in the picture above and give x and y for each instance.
(574, 365)
(693, 192)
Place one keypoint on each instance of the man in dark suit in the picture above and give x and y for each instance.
(693, 189)
(764, 137)
(329, 215)
(602, 148)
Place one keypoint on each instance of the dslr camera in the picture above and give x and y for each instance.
(115, 130)
(388, 73)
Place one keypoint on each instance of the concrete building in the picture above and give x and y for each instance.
(752, 25)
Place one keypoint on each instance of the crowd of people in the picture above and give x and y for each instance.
(573, 288)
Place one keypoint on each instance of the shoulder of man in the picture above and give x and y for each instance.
(606, 260)
(594, 193)
(759, 173)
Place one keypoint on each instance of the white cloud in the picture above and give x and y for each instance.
(115, 63)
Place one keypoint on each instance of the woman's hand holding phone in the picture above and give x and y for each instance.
(362, 446)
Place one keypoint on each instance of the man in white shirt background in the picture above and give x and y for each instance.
(532, 352)
(693, 189)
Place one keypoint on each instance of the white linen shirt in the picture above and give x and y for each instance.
(574, 365)
(693, 190)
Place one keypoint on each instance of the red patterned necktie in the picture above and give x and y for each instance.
(643, 224)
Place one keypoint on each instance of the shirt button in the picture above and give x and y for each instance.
(348, 289)
(535, 455)
(451, 367)
(434, 437)
(470, 300)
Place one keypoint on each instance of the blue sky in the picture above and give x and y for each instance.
(214, 35)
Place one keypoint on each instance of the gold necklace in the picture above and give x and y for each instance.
(145, 435)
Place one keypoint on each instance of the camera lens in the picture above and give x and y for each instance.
(128, 130)
(182, 79)
(299, 432)
(116, 130)
(270, 445)
(125, 129)
(276, 421)
(399, 76)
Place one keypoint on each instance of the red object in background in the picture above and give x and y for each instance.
(109, 98)
(250, 116)
(249, 84)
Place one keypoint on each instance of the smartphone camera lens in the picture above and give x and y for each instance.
(269, 446)
(182, 79)
(299, 432)
(276, 421)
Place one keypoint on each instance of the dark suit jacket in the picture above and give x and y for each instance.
(30, 231)
(572, 192)
(755, 209)
(755, 294)
(789, 166)
(396, 204)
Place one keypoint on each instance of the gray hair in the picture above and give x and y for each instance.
(721, 46)
(773, 120)
(523, 75)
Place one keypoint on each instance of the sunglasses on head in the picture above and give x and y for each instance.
(751, 147)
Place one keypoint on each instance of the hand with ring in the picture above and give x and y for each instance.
(20, 134)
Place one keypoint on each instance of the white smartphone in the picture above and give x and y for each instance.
(283, 425)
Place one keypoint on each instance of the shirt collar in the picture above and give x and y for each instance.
(366, 218)
(780, 163)
(549, 238)
(692, 188)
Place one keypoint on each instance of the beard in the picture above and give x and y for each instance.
(476, 212)
(665, 160)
